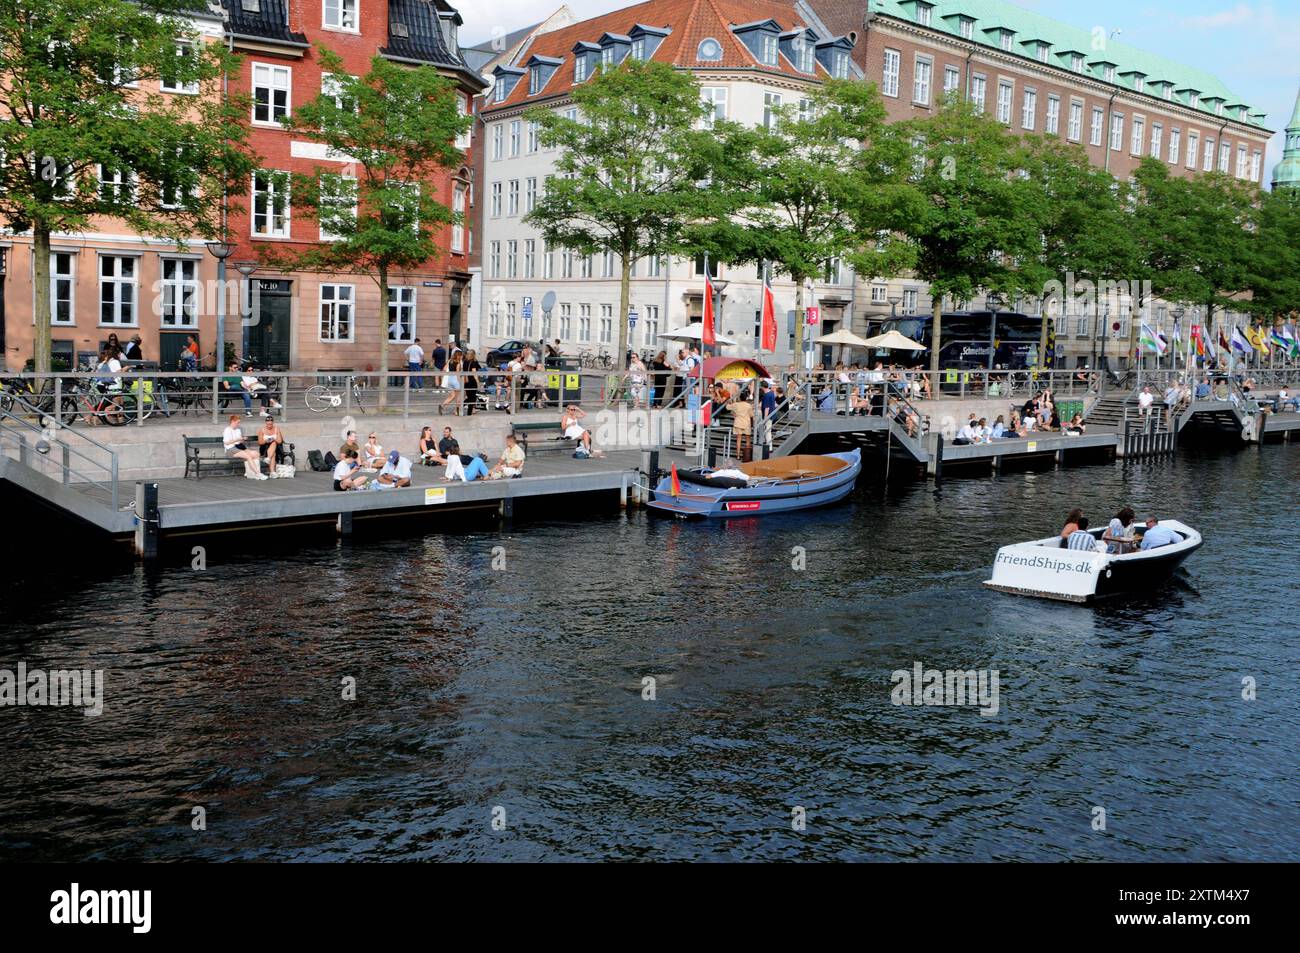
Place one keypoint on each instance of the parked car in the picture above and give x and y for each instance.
(505, 353)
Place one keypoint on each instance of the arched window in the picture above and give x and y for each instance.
(709, 49)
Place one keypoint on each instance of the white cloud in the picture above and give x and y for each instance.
(1240, 15)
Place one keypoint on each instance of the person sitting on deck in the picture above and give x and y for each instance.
(1071, 522)
(1285, 399)
(985, 432)
(1203, 389)
(1119, 534)
(904, 415)
(466, 468)
(396, 472)
(232, 384)
(1157, 535)
(1081, 538)
(428, 448)
(349, 443)
(1076, 426)
(232, 439)
(573, 429)
(999, 428)
(511, 463)
(966, 434)
(270, 444)
(372, 454)
(1145, 400)
(344, 473)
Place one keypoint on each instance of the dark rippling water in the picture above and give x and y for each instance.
(521, 689)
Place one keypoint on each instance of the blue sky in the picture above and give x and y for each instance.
(1252, 45)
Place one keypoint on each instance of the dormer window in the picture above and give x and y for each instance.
(645, 40)
(341, 14)
(1218, 109)
(1004, 40)
(768, 50)
(807, 58)
(580, 69)
(841, 65)
(535, 81)
(1169, 91)
(923, 11)
(504, 78)
(1108, 72)
(607, 56)
(1076, 62)
(1194, 99)
(585, 57)
(1140, 83)
(1043, 50)
(966, 26)
(450, 23)
(709, 50)
(638, 49)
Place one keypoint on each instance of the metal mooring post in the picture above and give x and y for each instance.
(146, 520)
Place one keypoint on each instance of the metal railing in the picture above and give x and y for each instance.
(963, 384)
(51, 449)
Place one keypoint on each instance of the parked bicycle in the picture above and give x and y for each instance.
(323, 397)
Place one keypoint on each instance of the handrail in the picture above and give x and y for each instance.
(15, 424)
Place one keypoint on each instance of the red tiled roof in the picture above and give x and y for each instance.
(690, 21)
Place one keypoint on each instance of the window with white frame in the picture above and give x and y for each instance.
(458, 203)
(116, 185)
(978, 84)
(923, 13)
(534, 136)
(464, 139)
(967, 28)
(530, 194)
(338, 205)
(1193, 148)
(401, 313)
(1028, 109)
(1052, 121)
(494, 259)
(169, 81)
(654, 267)
(566, 263)
(921, 81)
(512, 319)
(771, 109)
(336, 303)
(1138, 137)
(805, 54)
(587, 263)
(839, 65)
(909, 301)
(530, 257)
(516, 127)
(1176, 145)
(512, 198)
(606, 323)
(889, 77)
(1004, 40)
(1076, 62)
(341, 14)
(494, 319)
(579, 68)
(1225, 150)
(951, 79)
(1157, 140)
(1116, 131)
(180, 292)
(498, 140)
(1241, 161)
(1005, 92)
(584, 322)
(271, 85)
(1074, 132)
(494, 205)
(1256, 161)
(512, 258)
(1108, 73)
(650, 329)
(715, 97)
(1208, 163)
(607, 264)
(117, 290)
(1094, 134)
(879, 293)
(1042, 50)
(768, 48)
(1194, 100)
(62, 286)
(331, 87)
(271, 203)
(548, 261)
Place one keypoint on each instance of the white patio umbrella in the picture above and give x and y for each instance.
(894, 341)
(845, 337)
(692, 332)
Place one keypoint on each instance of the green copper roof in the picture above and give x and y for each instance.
(1286, 174)
(1096, 48)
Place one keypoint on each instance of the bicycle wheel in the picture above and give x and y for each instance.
(112, 413)
(319, 398)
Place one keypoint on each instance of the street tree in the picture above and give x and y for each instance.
(86, 135)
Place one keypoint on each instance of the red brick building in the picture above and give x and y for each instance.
(329, 321)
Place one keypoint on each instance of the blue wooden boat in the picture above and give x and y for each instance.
(779, 485)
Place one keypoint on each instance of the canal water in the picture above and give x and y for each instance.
(501, 711)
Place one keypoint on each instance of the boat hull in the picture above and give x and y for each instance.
(698, 500)
(1043, 569)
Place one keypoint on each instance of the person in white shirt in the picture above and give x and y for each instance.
(396, 472)
(1145, 400)
(344, 470)
(965, 435)
(232, 438)
(374, 452)
(414, 362)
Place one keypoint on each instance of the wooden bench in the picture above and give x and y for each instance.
(209, 453)
(551, 437)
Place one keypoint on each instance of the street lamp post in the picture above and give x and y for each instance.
(246, 268)
(1173, 358)
(220, 251)
(719, 286)
(993, 301)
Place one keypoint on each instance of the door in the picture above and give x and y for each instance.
(268, 334)
(170, 345)
(453, 313)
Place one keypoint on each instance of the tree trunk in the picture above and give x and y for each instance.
(798, 322)
(936, 332)
(41, 278)
(1042, 334)
(624, 305)
(383, 337)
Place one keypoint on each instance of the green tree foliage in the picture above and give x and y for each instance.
(634, 170)
(1274, 270)
(397, 126)
(79, 95)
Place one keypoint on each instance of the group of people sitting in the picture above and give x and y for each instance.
(1022, 426)
(269, 450)
(356, 463)
(1120, 536)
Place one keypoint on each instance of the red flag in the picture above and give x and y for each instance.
(768, 342)
(1223, 341)
(706, 413)
(676, 484)
(709, 338)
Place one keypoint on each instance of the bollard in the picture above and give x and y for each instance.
(344, 525)
(146, 520)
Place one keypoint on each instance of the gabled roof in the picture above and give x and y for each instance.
(424, 42)
(1063, 37)
(686, 22)
(269, 23)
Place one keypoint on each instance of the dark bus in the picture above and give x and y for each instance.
(976, 340)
